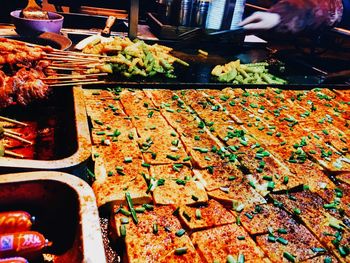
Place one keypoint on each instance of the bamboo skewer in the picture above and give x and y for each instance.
(73, 67)
(75, 76)
(13, 132)
(72, 81)
(76, 54)
(76, 83)
(63, 59)
(13, 154)
(17, 138)
(13, 121)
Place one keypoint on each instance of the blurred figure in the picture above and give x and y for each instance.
(294, 16)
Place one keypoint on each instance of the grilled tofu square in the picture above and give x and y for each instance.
(136, 103)
(119, 168)
(329, 134)
(205, 216)
(201, 150)
(322, 259)
(307, 172)
(238, 193)
(297, 242)
(111, 190)
(156, 236)
(161, 96)
(260, 219)
(218, 176)
(216, 244)
(176, 185)
(159, 143)
(116, 129)
(344, 177)
(311, 209)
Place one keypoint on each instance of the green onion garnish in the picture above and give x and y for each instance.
(125, 212)
(187, 216)
(127, 159)
(124, 220)
(122, 229)
(155, 228)
(131, 207)
(230, 259)
(198, 214)
(282, 241)
(289, 256)
(173, 157)
(181, 251)
(180, 232)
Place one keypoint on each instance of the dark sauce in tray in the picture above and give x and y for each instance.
(56, 213)
(51, 123)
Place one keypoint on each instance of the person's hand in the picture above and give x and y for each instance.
(261, 21)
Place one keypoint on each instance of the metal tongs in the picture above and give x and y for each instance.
(210, 34)
(102, 36)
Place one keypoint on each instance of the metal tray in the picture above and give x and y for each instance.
(65, 210)
(72, 143)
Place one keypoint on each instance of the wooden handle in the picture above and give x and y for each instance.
(109, 23)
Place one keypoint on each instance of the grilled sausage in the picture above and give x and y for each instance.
(15, 221)
(27, 244)
(13, 260)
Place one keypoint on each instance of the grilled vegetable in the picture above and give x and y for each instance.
(237, 73)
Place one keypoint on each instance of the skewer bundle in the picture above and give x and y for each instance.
(28, 71)
(7, 133)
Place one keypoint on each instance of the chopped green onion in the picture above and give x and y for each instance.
(125, 212)
(344, 250)
(131, 207)
(241, 237)
(155, 228)
(173, 157)
(271, 238)
(148, 207)
(282, 241)
(267, 178)
(187, 216)
(248, 215)
(122, 229)
(240, 258)
(194, 198)
(296, 211)
(187, 158)
(181, 251)
(282, 231)
(318, 249)
(176, 211)
(289, 256)
(180, 232)
(127, 159)
(200, 149)
(140, 209)
(198, 214)
(270, 186)
(124, 220)
(230, 259)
